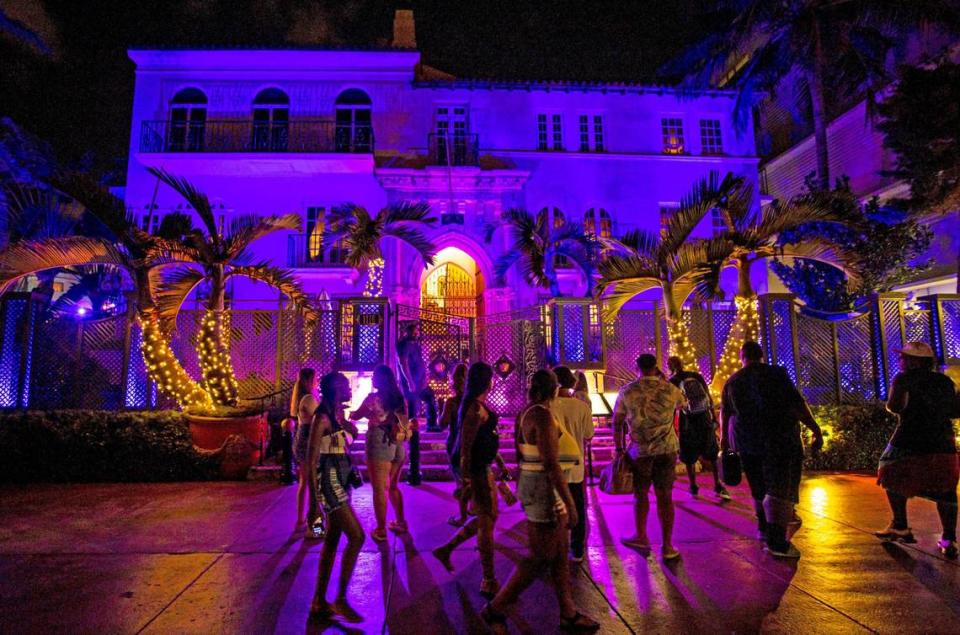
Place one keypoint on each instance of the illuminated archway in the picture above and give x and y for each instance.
(454, 286)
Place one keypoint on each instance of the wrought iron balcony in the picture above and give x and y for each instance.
(304, 251)
(297, 135)
(453, 149)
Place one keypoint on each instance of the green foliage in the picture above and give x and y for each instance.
(886, 245)
(854, 436)
(91, 445)
(921, 124)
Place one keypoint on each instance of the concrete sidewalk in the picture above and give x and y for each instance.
(222, 558)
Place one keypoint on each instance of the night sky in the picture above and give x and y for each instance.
(79, 99)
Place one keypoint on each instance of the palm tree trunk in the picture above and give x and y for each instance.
(814, 77)
(213, 346)
(680, 344)
(163, 368)
(746, 326)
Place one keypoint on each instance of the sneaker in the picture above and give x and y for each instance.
(722, 492)
(898, 535)
(694, 490)
(576, 556)
(948, 548)
(784, 551)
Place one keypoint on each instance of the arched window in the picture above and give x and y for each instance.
(271, 121)
(597, 222)
(556, 219)
(354, 127)
(188, 120)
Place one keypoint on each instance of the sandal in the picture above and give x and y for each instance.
(378, 535)
(579, 623)
(321, 610)
(456, 522)
(398, 528)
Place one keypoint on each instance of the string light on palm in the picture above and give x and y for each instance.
(746, 326)
(165, 371)
(373, 288)
(213, 352)
(680, 344)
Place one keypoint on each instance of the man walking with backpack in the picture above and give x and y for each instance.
(698, 425)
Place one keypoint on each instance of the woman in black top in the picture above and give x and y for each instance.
(921, 456)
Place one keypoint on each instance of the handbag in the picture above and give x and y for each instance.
(617, 477)
(731, 469)
(509, 498)
(398, 428)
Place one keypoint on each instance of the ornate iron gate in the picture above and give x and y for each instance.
(513, 343)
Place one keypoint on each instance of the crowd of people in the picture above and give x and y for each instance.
(656, 420)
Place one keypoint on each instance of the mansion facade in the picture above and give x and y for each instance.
(302, 131)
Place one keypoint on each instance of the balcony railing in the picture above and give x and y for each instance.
(453, 149)
(304, 251)
(298, 135)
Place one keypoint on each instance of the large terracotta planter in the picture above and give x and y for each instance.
(212, 433)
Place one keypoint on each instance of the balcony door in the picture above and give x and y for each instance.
(188, 120)
(451, 127)
(271, 121)
(354, 122)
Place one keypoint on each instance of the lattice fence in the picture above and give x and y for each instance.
(514, 344)
(632, 333)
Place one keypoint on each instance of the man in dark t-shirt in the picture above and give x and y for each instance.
(760, 417)
(697, 429)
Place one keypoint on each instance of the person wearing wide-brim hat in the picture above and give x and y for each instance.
(921, 457)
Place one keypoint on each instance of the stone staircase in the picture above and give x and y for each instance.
(435, 466)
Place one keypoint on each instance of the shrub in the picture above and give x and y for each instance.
(854, 436)
(94, 445)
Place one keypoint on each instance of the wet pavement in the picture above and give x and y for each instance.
(222, 558)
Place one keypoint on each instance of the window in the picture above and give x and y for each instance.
(188, 121)
(271, 121)
(542, 140)
(316, 251)
(718, 223)
(584, 133)
(451, 139)
(598, 219)
(591, 132)
(556, 219)
(667, 210)
(710, 140)
(354, 124)
(150, 222)
(557, 132)
(672, 135)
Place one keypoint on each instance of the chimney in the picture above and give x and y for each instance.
(404, 34)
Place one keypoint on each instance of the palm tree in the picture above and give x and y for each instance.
(670, 261)
(362, 236)
(539, 243)
(821, 45)
(752, 235)
(128, 249)
(212, 258)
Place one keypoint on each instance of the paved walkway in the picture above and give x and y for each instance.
(221, 558)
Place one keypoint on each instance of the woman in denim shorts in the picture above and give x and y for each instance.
(384, 456)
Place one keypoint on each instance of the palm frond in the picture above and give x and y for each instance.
(30, 257)
(281, 279)
(172, 291)
(108, 209)
(246, 229)
(416, 239)
(409, 212)
(823, 251)
(704, 196)
(194, 196)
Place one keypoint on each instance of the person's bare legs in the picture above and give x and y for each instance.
(712, 466)
(560, 569)
(665, 514)
(396, 496)
(328, 554)
(302, 493)
(692, 476)
(379, 480)
(348, 561)
(485, 524)
(641, 509)
(527, 569)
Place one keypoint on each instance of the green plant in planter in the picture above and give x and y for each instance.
(854, 436)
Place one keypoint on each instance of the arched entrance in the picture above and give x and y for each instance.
(454, 286)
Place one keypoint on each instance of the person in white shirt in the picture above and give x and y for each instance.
(574, 415)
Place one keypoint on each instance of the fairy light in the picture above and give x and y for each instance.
(164, 370)
(374, 285)
(213, 352)
(746, 326)
(680, 344)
